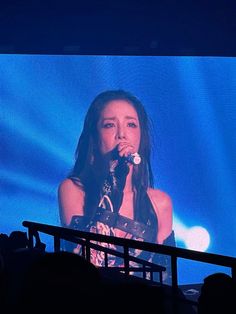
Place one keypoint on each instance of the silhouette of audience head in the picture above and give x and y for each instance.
(17, 240)
(3, 241)
(59, 280)
(217, 295)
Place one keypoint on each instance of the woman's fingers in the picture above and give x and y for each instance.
(124, 149)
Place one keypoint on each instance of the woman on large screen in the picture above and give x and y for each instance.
(110, 189)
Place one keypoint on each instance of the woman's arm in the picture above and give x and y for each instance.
(162, 205)
(71, 201)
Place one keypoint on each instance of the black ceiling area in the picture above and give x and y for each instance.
(129, 27)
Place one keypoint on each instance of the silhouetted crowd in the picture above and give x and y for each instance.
(33, 280)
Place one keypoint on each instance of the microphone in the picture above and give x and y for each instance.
(134, 158)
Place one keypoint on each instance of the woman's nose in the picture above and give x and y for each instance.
(121, 133)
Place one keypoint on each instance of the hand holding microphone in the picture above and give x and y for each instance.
(123, 153)
(119, 169)
(122, 156)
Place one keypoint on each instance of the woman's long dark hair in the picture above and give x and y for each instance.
(87, 154)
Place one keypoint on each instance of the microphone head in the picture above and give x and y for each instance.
(134, 158)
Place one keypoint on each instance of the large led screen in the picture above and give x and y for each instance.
(191, 105)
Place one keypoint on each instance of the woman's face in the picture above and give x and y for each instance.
(119, 128)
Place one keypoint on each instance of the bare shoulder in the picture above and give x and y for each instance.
(161, 199)
(70, 186)
(162, 205)
(71, 200)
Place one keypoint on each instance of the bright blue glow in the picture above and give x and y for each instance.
(27, 183)
(28, 130)
(191, 101)
(194, 238)
(197, 239)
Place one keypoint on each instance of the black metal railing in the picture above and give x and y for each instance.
(90, 240)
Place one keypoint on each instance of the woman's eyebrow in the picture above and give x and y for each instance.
(130, 117)
(108, 118)
(114, 118)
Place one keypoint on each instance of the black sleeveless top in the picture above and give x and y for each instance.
(106, 222)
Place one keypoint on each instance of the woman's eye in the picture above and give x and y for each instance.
(132, 125)
(108, 125)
